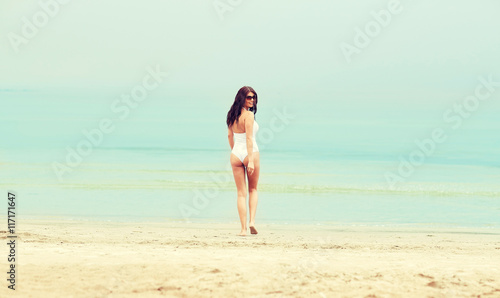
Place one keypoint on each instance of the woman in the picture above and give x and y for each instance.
(241, 132)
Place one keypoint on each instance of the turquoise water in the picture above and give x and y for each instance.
(328, 166)
(156, 184)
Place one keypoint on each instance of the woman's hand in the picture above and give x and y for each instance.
(250, 168)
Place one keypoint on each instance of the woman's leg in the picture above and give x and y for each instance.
(239, 179)
(253, 180)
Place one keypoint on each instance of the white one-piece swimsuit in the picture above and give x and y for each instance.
(240, 143)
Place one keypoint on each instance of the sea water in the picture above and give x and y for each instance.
(355, 167)
(159, 184)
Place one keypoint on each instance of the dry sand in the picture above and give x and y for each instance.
(102, 259)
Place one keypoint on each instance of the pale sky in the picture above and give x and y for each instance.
(96, 43)
(90, 52)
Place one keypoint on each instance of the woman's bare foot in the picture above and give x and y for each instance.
(253, 230)
(243, 233)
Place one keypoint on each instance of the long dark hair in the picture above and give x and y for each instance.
(238, 104)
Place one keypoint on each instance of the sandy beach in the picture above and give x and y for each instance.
(59, 258)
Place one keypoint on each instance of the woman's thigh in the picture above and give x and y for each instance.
(239, 174)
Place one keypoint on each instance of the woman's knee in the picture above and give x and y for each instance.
(242, 193)
(252, 189)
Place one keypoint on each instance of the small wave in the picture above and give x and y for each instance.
(439, 190)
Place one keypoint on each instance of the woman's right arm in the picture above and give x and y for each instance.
(230, 137)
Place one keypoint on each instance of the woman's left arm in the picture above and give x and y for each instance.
(230, 137)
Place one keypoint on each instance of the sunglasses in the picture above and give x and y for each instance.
(251, 97)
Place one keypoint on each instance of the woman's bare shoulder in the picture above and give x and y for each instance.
(249, 115)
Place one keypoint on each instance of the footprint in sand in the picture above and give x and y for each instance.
(434, 284)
